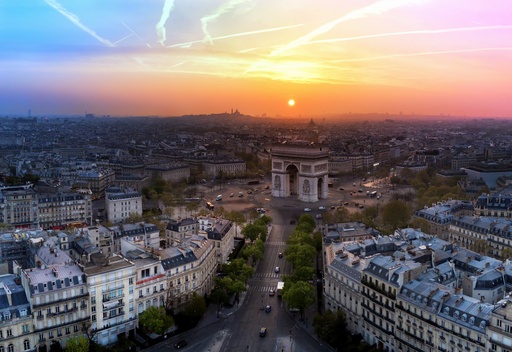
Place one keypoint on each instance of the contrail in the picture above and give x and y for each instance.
(376, 8)
(219, 11)
(426, 31)
(237, 35)
(423, 53)
(74, 18)
(133, 32)
(120, 40)
(160, 26)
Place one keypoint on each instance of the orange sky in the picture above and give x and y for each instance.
(171, 58)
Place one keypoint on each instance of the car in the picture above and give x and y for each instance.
(268, 309)
(180, 344)
(321, 208)
(307, 210)
(333, 207)
(231, 195)
(267, 187)
(361, 206)
(280, 255)
(249, 192)
(276, 270)
(341, 189)
(360, 190)
(346, 203)
(318, 216)
(271, 292)
(263, 332)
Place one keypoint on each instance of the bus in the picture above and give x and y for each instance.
(210, 206)
(373, 194)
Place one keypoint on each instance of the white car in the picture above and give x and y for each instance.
(307, 209)
(321, 208)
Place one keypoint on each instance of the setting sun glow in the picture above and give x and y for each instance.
(291, 102)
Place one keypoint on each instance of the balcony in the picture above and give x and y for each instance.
(113, 289)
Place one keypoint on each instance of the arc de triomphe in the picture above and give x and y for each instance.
(300, 169)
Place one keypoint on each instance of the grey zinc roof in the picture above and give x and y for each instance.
(467, 311)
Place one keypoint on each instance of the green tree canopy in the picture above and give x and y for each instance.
(254, 231)
(332, 328)
(300, 255)
(395, 215)
(195, 306)
(299, 295)
(77, 344)
(155, 320)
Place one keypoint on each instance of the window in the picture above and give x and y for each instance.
(10, 348)
(68, 330)
(9, 332)
(26, 344)
(24, 328)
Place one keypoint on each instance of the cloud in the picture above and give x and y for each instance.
(74, 19)
(219, 11)
(376, 8)
(160, 26)
(426, 31)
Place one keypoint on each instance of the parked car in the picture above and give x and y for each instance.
(318, 216)
(263, 332)
(180, 344)
(231, 194)
(321, 208)
(307, 210)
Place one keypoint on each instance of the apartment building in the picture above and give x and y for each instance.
(58, 296)
(190, 267)
(111, 285)
(430, 317)
(18, 206)
(497, 205)
(119, 204)
(140, 234)
(440, 215)
(62, 209)
(177, 230)
(219, 167)
(222, 233)
(168, 172)
(16, 324)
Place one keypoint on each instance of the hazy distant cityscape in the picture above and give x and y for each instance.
(127, 212)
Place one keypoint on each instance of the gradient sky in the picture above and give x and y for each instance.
(168, 58)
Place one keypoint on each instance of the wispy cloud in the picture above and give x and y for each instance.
(423, 53)
(376, 8)
(258, 31)
(160, 26)
(76, 20)
(219, 11)
(425, 31)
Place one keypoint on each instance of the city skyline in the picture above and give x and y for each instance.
(171, 58)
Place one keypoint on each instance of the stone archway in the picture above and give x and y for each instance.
(300, 170)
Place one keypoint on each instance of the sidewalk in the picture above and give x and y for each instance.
(210, 316)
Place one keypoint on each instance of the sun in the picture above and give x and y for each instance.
(291, 102)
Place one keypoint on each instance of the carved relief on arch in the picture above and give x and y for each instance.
(277, 165)
(277, 182)
(306, 168)
(321, 167)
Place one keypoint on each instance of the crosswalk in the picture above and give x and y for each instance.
(275, 244)
(261, 288)
(266, 275)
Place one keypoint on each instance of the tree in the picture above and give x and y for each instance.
(155, 320)
(306, 223)
(395, 215)
(254, 231)
(195, 307)
(300, 254)
(299, 295)
(332, 328)
(77, 344)
(238, 270)
(302, 273)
